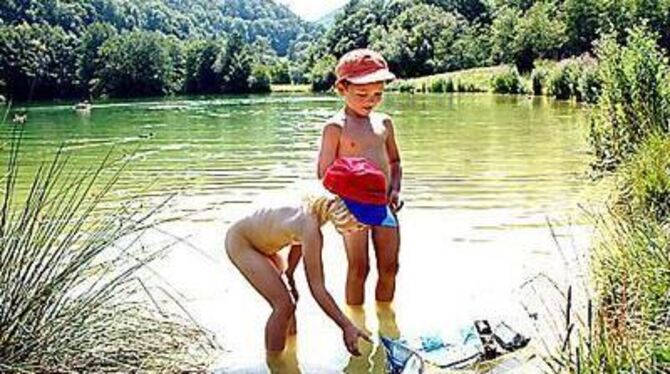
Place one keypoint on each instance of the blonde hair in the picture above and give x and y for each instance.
(330, 208)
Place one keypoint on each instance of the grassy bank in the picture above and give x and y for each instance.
(572, 78)
(628, 328)
(471, 80)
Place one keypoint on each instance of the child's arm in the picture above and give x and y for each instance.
(330, 142)
(312, 247)
(394, 163)
(293, 259)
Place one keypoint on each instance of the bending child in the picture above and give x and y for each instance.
(253, 243)
(359, 131)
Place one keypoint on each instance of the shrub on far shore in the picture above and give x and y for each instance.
(259, 80)
(507, 82)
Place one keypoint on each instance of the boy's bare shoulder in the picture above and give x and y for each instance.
(337, 120)
(381, 118)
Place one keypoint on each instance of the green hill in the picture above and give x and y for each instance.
(182, 18)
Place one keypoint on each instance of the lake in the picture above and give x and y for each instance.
(483, 176)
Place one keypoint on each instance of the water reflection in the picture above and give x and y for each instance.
(285, 362)
(373, 357)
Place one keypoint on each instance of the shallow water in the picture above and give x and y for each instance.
(483, 175)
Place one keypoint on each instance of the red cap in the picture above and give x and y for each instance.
(362, 66)
(357, 179)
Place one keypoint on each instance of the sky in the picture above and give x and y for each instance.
(312, 10)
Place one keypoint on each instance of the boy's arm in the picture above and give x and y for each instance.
(312, 248)
(394, 164)
(330, 142)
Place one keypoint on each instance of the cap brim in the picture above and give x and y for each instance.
(371, 214)
(383, 75)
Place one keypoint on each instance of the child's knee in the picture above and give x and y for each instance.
(284, 308)
(388, 269)
(358, 269)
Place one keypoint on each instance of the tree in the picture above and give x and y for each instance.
(135, 64)
(259, 80)
(472, 48)
(353, 27)
(472, 10)
(37, 61)
(95, 35)
(504, 32)
(201, 76)
(235, 64)
(541, 34)
(418, 40)
(322, 74)
(280, 71)
(538, 33)
(583, 22)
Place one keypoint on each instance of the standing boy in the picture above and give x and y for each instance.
(358, 131)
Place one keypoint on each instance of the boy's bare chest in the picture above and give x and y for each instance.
(362, 135)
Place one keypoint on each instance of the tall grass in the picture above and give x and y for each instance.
(644, 183)
(70, 296)
(635, 98)
(628, 328)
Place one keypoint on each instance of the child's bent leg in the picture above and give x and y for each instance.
(387, 246)
(259, 270)
(356, 244)
(292, 326)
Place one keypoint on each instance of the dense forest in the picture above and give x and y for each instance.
(81, 48)
(421, 37)
(74, 49)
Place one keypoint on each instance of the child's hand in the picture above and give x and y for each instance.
(351, 334)
(394, 201)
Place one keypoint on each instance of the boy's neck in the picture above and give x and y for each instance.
(350, 112)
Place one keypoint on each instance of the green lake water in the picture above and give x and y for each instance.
(483, 175)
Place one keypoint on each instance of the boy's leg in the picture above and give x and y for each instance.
(260, 271)
(356, 244)
(387, 246)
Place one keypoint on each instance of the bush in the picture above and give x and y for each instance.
(280, 72)
(540, 76)
(564, 80)
(507, 82)
(322, 74)
(402, 85)
(634, 100)
(646, 180)
(590, 84)
(465, 86)
(259, 80)
(441, 84)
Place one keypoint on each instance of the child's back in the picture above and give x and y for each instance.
(269, 229)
